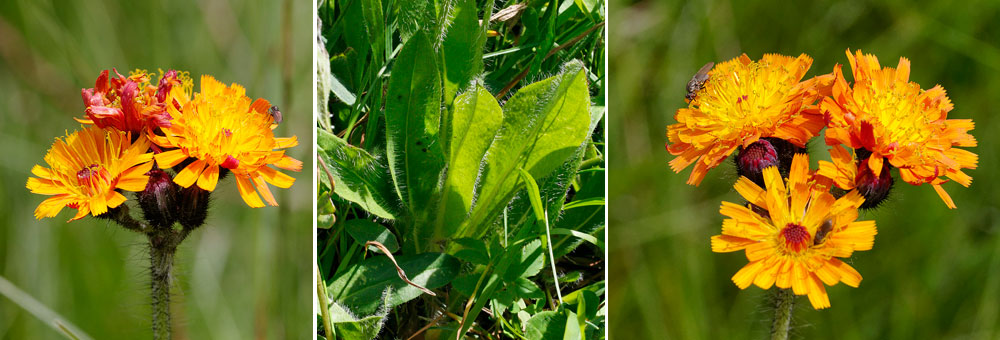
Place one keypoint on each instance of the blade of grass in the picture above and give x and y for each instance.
(40, 311)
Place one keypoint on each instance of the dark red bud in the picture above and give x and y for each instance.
(192, 206)
(765, 152)
(875, 189)
(158, 199)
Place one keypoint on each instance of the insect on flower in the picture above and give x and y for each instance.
(697, 82)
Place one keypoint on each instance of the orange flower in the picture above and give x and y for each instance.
(898, 122)
(221, 127)
(87, 169)
(131, 104)
(795, 242)
(743, 101)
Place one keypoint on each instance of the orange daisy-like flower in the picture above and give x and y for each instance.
(87, 167)
(898, 122)
(743, 101)
(131, 104)
(797, 241)
(222, 127)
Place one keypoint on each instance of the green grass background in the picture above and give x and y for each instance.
(934, 273)
(246, 273)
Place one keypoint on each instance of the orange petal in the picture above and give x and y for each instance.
(189, 175)
(246, 187)
(817, 293)
(289, 163)
(282, 143)
(745, 276)
(726, 243)
(51, 206)
(170, 158)
(44, 186)
(276, 178)
(944, 196)
(135, 178)
(209, 178)
(750, 191)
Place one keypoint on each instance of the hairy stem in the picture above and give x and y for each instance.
(784, 303)
(161, 255)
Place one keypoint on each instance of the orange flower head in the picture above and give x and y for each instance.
(741, 102)
(896, 121)
(222, 127)
(87, 168)
(131, 104)
(793, 235)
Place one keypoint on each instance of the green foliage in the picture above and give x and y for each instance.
(361, 287)
(347, 326)
(451, 116)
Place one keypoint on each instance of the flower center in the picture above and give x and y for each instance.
(93, 177)
(227, 132)
(796, 237)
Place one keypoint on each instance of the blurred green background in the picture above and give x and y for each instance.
(934, 273)
(246, 273)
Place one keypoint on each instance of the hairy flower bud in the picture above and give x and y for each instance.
(158, 199)
(765, 152)
(192, 206)
(874, 188)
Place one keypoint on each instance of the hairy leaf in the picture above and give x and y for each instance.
(361, 286)
(543, 125)
(413, 119)
(358, 177)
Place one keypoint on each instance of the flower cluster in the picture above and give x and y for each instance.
(795, 228)
(137, 129)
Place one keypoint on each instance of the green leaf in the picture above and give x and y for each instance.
(324, 83)
(586, 237)
(528, 260)
(536, 200)
(358, 177)
(363, 231)
(472, 256)
(463, 49)
(527, 289)
(353, 31)
(587, 220)
(587, 202)
(543, 125)
(335, 83)
(413, 118)
(361, 286)
(416, 15)
(348, 326)
(467, 131)
(548, 325)
(372, 11)
(587, 6)
(553, 190)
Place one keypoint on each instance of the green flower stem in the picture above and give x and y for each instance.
(163, 244)
(161, 256)
(324, 304)
(784, 303)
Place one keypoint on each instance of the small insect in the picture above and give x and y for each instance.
(698, 81)
(824, 229)
(275, 113)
